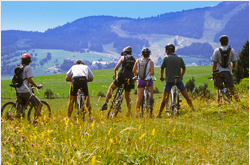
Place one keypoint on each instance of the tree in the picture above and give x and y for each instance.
(242, 67)
(49, 56)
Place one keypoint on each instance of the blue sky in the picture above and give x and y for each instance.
(42, 15)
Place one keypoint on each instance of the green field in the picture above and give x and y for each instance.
(102, 80)
(211, 135)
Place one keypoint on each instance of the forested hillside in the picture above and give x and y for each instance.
(194, 32)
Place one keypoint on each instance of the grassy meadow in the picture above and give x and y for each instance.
(212, 134)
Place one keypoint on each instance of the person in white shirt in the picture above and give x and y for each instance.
(79, 75)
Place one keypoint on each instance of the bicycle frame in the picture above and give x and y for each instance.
(80, 103)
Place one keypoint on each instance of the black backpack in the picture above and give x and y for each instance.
(225, 57)
(129, 62)
(17, 80)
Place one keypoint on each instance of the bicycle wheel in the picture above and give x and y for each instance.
(82, 111)
(149, 106)
(173, 103)
(115, 107)
(8, 111)
(44, 115)
(143, 106)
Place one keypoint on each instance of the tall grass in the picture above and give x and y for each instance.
(211, 135)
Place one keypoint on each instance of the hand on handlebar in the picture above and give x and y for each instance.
(162, 78)
(40, 86)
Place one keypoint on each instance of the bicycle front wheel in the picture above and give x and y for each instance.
(115, 107)
(45, 113)
(8, 111)
(149, 107)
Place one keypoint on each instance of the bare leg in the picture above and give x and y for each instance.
(185, 94)
(163, 102)
(112, 87)
(236, 96)
(139, 99)
(38, 111)
(70, 105)
(128, 100)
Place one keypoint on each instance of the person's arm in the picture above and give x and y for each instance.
(32, 82)
(152, 68)
(214, 66)
(162, 71)
(135, 68)
(118, 65)
(90, 79)
(68, 78)
(233, 65)
(183, 72)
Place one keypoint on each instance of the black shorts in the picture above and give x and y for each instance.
(224, 75)
(78, 83)
(128, 83)
(28, 96)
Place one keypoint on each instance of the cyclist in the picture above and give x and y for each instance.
(225, 70)
(24, 91)
(127, 61)
(175, 66)
(144, 68)
(79, 75)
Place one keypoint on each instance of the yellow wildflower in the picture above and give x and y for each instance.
(153, 132)
(109, 131)
(93, 161)
(142, 136)
(93, 125)
(111, 140)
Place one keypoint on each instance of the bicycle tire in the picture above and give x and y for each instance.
(45, 112)
(142, 106)
(173, 102)
(9, 109)
(149, 107)
(115, 107)
(82, 110)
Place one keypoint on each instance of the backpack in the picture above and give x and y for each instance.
(17, 80)
(225, 57)
(142, 69)
(128, 62)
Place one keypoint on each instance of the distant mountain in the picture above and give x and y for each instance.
(108, 35)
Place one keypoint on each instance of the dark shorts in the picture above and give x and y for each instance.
(78, 83)
(226, 76)
(143, 83)
(168, 86)
(31, 97)
(128, 84)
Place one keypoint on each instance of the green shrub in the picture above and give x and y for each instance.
(190, 85)
(101, 94)
(48, 94)
(201, 90)
(243, 85)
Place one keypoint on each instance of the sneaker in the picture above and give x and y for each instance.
(129, 114)
(159, 115)
(104, 107)
(168, 113)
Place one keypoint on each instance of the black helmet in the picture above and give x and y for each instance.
(171, 47)
(145, 52)
(79, 62)
(223, 38)
(127, 50)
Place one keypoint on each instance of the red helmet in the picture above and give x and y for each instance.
(25, 56)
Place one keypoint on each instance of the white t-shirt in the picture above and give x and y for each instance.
(27, 73)
(80, 70)
(217, 58)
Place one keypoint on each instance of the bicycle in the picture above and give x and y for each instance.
(224, 91)
(116, 104)
(80, 104)
(11, 110)
(147, 100)
(175, 100)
